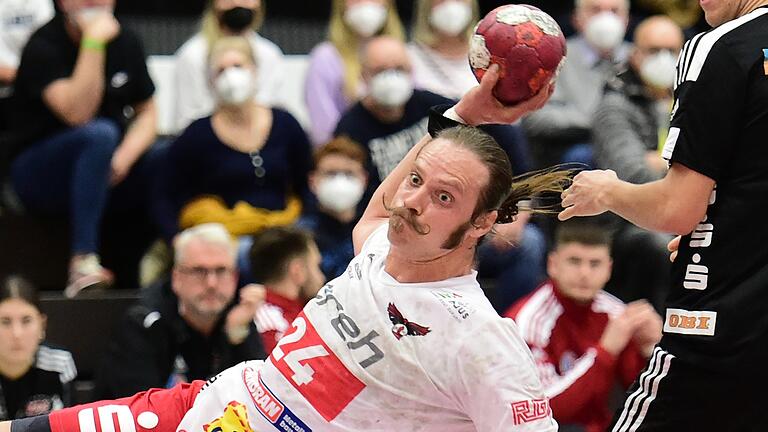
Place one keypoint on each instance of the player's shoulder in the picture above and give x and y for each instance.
(739, 40)
(464, 304)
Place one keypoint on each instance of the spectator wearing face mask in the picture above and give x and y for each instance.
(245, 166)
(334, 79)
(194, 97)
(562, 130)
(633, 119)
(392, 115)
(338, 181)
(440, 46)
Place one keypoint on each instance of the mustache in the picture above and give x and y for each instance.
(407, 215)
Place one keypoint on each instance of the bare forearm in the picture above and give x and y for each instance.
(142, 132)
(651, 206)
(76, 99)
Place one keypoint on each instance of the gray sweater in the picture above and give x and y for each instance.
(626, 128)
(567, 116)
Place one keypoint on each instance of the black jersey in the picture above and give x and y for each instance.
(717, 309)
(44, 388)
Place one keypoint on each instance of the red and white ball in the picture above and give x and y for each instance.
(526, 43)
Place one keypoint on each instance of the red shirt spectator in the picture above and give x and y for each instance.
(275, 316)
(584, 341)
(578, 374)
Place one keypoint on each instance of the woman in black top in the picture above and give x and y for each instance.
(34, 378)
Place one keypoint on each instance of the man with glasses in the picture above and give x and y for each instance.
(191, 327)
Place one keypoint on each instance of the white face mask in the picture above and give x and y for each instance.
(451, 17)
(658, 70)
(605, 31)
(366, 18)
(234, 86)
(340, 192)
(391, 88)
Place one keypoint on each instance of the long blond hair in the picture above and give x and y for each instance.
(423, 32)
(211, 29)
(347, 42)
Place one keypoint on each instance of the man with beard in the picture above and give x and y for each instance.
(405, 338)
(189, 328)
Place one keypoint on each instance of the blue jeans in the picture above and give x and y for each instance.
(516, 270)
(68, 172)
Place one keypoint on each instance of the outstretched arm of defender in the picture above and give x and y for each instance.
(675, 204)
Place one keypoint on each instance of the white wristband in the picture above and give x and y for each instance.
(451, 114)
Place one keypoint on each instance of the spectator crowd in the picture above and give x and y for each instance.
(246, 212)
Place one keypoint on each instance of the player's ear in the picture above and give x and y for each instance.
(483, 224)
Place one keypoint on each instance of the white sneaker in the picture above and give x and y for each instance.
(87, 272)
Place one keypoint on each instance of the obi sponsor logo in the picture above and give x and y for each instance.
(681, 321)
(264, 400)
(529, 410)
(235, 419)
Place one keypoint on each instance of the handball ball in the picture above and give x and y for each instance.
(526, 43)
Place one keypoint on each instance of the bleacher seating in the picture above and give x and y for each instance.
(84, 326)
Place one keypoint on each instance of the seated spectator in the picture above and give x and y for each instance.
(584, 341)
(633, 114)
(286, 261)
(333, 81)
(35, 378)
(189, 328)
(222, 18)
(83, 104)
(245, 166)
(440, 46)
(338, 182)
(634, 117)
(562, 130)
(392, 116)
(18, 20)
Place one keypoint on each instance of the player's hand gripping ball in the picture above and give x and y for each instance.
(526, 43)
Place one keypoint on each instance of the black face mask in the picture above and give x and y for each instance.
(237, 18)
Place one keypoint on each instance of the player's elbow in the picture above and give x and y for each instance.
(684, 221)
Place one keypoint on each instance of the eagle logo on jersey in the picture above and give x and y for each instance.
(401, 326)
(235, 419)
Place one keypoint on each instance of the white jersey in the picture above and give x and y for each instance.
(372, 354)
